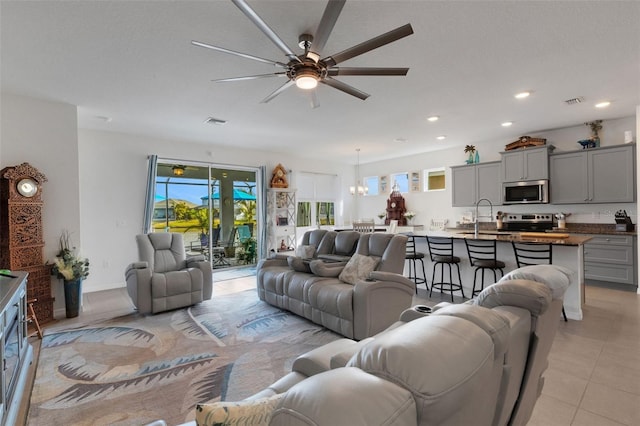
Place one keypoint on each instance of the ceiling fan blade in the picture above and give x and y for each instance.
(242, 55)
(313, 94)
(369, 45)
(328, 21)
(367, 71)
(250, 77)
(258, 22)
(278, 91)
(336, 84)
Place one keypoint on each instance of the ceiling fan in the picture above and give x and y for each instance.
(309, 69)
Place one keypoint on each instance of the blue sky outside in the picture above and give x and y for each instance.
(191, 190)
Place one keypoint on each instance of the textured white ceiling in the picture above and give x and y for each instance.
(132, 61)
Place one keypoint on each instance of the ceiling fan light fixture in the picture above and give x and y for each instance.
(178, 170)
(306, 79)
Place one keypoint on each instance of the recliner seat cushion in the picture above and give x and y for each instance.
(176, 289)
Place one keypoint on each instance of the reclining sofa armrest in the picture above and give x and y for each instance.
(273, 261)
(138, 279)
(195, 258)
(378, 302)
(207, 274)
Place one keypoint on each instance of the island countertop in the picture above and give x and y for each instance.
(555, 238)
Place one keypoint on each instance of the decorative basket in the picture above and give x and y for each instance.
(525, 142)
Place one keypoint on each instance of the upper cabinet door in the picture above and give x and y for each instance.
(599, 175)
(568, 183)
(525, 164)
(488, 182)
(463, 184)
(612, 175)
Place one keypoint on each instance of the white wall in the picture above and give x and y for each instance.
(113, 168)
(437, 205)
(44, 134)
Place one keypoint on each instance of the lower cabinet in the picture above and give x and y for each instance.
(611, 258)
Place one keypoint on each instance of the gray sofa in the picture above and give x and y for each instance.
(323, 290)
(479, 363)
(165, 278)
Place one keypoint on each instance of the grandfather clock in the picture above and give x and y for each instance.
(396, 208)
(21, 235)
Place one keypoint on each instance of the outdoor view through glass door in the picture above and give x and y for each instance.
(214, 208)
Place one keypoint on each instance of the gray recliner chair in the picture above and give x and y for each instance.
(165, 278)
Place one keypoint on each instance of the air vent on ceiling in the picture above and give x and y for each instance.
(217, 121)
(574, 101)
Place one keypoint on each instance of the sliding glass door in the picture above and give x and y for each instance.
(215, 208)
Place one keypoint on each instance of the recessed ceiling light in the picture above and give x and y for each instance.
(441, 137)
(507, 123)
(603, 104)
(522, 95)
(433, 118)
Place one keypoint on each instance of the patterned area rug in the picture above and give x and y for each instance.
(136, 369)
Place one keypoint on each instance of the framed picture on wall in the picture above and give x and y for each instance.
(414, 182)
(384, 184)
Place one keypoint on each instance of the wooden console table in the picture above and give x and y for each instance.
(15, 351)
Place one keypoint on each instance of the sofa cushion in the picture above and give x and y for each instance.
(557, 278)
(358, 268)
(306, 251)
(255, 412)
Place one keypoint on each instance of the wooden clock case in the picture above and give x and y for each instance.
(21, 235)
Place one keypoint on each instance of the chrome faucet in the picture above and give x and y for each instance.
(477, 224)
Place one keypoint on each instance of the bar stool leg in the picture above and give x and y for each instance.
(31, 317)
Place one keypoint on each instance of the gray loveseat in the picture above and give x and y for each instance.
(327, 292)
(480, 363)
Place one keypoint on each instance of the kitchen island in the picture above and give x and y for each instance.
(568, 251)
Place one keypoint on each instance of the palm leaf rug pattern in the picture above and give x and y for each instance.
(136, 369)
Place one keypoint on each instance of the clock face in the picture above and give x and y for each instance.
(27, 187)
(393, 205)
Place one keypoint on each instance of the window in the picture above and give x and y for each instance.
(402, 180)
(434, 179)
(315, 196)
(371, 183)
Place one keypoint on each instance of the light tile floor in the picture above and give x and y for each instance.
(594, 364)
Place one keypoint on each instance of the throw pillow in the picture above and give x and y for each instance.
(557, 278)
(256, 412)
(358, 268)
(298, 264)
(305, 252)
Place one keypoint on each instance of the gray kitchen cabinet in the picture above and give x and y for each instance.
(611, 258)
(525, 164)
(475, 181)
(597, 175)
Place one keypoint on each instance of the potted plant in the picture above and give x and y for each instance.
(382, 216)
(409, 215)
(72, 269)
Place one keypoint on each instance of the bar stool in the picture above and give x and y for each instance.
(413, 256)
(32, 318)
(482, 256)
(441, 253)
(530, 253)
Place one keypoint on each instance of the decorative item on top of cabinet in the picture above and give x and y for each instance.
(279, 177)
(595, 126)
(525, 142)
(470, 150)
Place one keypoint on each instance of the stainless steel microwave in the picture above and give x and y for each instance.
(526, 192)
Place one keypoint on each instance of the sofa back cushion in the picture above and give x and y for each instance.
(389, 248)
(346, 243)
(163, 251)
(445, 361)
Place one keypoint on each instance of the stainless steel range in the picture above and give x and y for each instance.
(527, 222)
